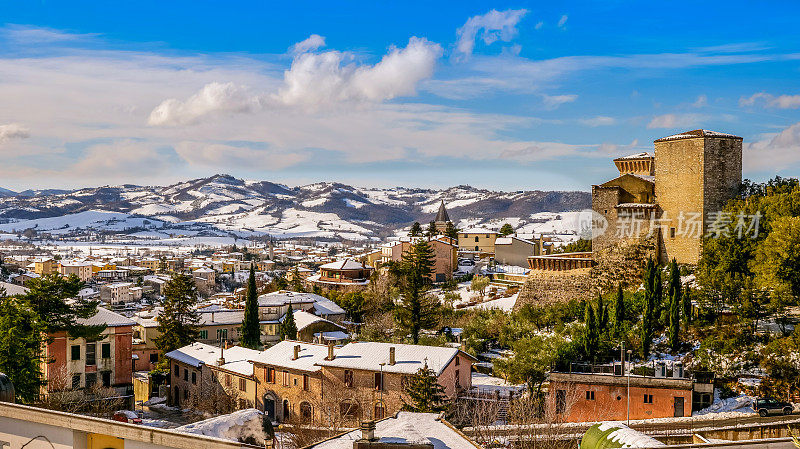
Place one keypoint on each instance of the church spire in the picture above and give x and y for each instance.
(441, 216)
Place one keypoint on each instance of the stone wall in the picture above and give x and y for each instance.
(547, 287)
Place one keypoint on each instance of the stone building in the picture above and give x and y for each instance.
(672, 195)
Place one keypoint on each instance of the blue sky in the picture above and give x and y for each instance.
(505, 96)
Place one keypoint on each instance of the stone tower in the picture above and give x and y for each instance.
(441, 218)
(696, 173)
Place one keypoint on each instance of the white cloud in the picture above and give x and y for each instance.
(28, 35)
(317, 79)
(493, 26)
(124, 158)
(599, 120)
(562, 21)
(554, 101)
(313, 42)
(770, 101)
(213, 98)
(701, 101)
(13, 131)
(215, 155)
(539, 25)
(676, 121)
(773, 152)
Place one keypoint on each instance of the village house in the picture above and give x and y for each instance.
(120, 293)
(513, 250)
(343, 275)
(367, 378)
(44, 266)
(444, 249)
(79, 363)
(145, 353)
(477, 240)
(83, 270)
(311, 327)
(200, 372)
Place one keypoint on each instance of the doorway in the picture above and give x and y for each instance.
(678, 406)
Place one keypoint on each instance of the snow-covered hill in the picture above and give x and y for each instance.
(224, 205)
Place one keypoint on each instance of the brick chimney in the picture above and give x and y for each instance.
(330, 352)
(391, 356)
(296, 354)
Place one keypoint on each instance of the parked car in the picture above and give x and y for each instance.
(127, 416)
(765, 406)
(466, 263)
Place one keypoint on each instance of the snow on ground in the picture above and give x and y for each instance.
(504, 304)
(486, 383)
(736, 406)
(237, 426)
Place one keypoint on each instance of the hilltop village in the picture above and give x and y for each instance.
(675, 298)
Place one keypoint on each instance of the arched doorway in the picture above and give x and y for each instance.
(380, 411)
(269, 407)
(177, 396)
(306, 412)
(286, 411)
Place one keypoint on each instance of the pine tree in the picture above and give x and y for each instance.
(686, 304)
(590, 336)
(21, 343)
(424, 393)
(619, 311)
(54, 299)
(289, 327)
(178, 320)
(602, 314)
(432, 231)
(416, 230)
(417, 309)
(451, 231)
(251, 330)
(506, 229)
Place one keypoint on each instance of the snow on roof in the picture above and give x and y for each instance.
(281, 298)
(510, 239)
(203, 270)
(196, 354)
(234, 427)
(13, 289)
(649, 178)
(305, 319)
(106, 317)
(324, 306)
(281, 355)
(346, 264)
(408, 358)
(215, 317)
(335, 335)
(634, 156)
(407, 428)
(698, 133)
(478, 231)
(635, 206)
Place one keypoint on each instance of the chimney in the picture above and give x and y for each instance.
(221, 360)
(330, 352)
(296, 354)
(391, 356)
(368, 430)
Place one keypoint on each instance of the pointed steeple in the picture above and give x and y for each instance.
(441, 216)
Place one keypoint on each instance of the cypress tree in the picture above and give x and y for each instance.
(417, 309)
(602, 315)
(178, 320)
(431, 232)
(251, 330)
(619, 311)
(424, 393)
(674, 319)
(687, 307)
(590, 336)
(289, 327)
(652, 281)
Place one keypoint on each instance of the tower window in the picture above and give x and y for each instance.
(672, 233)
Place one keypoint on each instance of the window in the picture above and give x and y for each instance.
(203, 335)
(76, 352)
(306, 412)
(242, 384)
(228, 380)
(348, 409)
(91, 354)
(672, 233)
(154, 357)
(285, 378)
(91, 379)
(476, 248)
(186, 394)
(589, 395)
(348, 378)
(194, 377)
(305, 382)
(222, 334)
(105, 350)
(186, 374)
(476, 239)
(106, 376)
(269, 375)
(648, 399)
(76, 381)
(379, 381)
(458, 361)
(177, 371)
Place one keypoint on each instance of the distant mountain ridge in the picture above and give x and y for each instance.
(223, 204)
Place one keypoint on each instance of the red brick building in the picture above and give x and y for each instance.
(76, 363)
